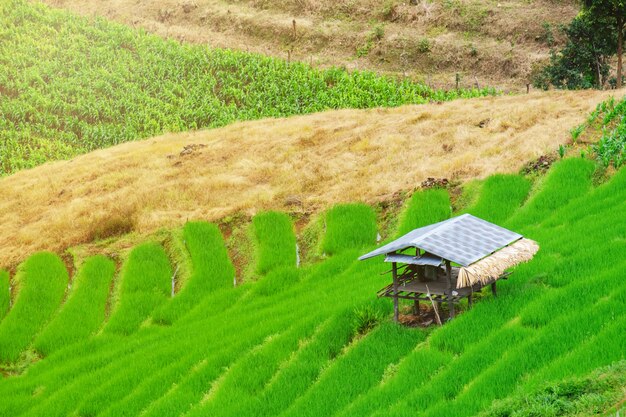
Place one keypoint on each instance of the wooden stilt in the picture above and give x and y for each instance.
(470, 301)
(396, 312)
(416, 307)
(493, 289)
(450, 288)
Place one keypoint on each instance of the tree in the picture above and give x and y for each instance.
(584, 61)
(614, 10)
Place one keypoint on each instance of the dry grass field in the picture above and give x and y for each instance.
(299, 164)
(486, 42)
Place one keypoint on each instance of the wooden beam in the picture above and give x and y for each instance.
(396, 313)
(450, 289)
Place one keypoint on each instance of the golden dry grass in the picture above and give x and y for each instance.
(302, 164)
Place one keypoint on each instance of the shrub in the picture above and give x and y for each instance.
(366, 316)
(423, 46)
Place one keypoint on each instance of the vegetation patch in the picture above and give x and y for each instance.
(583, 396)
(70, 85)
(5, 293)
(315, 340)
(275, 241)
(146, 283)
(84, 311)
(43, 281)
(500, 196)
(567, 180)
(424, 208)
(212, 271)
(349, 226)
(277, 280)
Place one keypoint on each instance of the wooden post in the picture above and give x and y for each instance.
(470, 301)
(493, 289)
(295, 34)
(527, 88)
(458, 79)
(450, 302)
(416, 307)
(394, 270)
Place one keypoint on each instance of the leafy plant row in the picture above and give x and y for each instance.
(69, 85)
(609, 119)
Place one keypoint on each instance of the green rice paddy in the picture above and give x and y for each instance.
(314, 340)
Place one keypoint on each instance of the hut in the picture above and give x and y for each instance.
(451, 260)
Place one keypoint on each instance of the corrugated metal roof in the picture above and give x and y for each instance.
(463, 239)
(415, 260)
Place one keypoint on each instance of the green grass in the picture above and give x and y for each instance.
(274, 241)
(212, 271)
(277, 280)
(84, 311)
(582, 396)
(348, 226)
(42, 282)
(5, 294)
(424, 208)
(568, 179)
(314, 340)
(146, 283)
(71, 84)
(500, 196)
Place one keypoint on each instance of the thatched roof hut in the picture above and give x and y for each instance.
(480, 251)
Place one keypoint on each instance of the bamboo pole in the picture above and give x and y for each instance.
(434, 306)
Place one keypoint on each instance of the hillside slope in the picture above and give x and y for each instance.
(298, 164)
(488, 42)
(314, 340)
(69, 85)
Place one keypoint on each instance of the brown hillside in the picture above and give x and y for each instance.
(487, 42)
(297, 164)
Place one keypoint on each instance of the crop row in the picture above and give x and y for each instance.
(311, 340)
(212, 271)
(42, 280)
(69, 85)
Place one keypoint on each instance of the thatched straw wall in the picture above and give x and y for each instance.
(494, 265)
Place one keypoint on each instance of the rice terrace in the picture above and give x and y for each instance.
(312, 208)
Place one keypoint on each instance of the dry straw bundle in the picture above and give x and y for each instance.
(494, 265)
